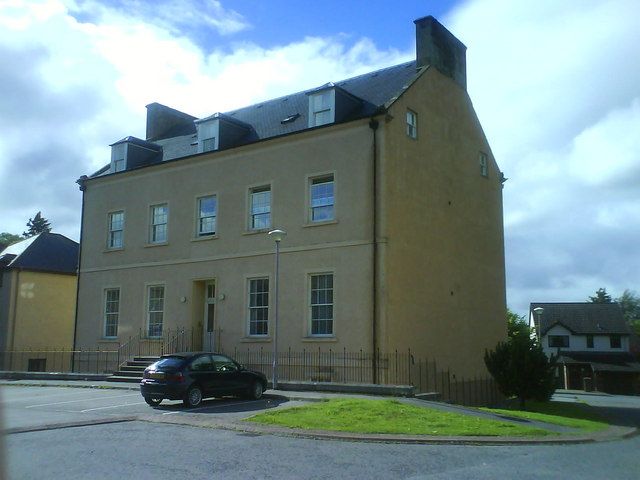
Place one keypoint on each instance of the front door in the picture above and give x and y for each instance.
(209, 334)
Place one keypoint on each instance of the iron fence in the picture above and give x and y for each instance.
(396, 368)
(60, 360)
(311, 365)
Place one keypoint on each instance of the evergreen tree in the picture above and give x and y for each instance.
(601, 296)
(630, 305)
(7, 239)
(521, 369)
(36, 225)
(517, 325)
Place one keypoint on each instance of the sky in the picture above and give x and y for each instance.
(556, 86)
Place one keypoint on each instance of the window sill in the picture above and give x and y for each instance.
(115, 249)
(256, 231)
(320, 339)
(159, 244)
(204, 238)
(318, 224)
(256, 339)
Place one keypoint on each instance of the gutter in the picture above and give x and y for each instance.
(373, 124)
(83, 186)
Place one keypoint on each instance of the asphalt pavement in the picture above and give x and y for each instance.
(63, 404)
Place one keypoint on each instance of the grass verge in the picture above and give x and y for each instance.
(572, 415)
(389, 416)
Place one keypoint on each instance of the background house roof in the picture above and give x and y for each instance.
(583, 317)
(47, 252)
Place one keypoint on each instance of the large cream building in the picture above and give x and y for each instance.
(385, 185)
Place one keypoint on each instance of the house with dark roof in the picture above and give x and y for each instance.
(591, 341)
(384, 183)
(38, 296)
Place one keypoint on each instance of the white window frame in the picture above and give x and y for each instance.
(318, 180)
(115, 313)
(412, 124)
(251, 307)
(558, 337)
(322, 108)
(311, 305)
(200, 217)
(618, 337)
(483, 160)
(111, 245)
(156, 310)
(153, 224)
(208, 135)
(118, 157)
(253, 194)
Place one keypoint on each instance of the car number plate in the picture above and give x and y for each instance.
(157, 375)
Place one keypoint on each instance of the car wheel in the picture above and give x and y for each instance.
(255, 390)
(153, 401)
(193, 397)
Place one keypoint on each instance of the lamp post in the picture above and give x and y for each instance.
(277, 236)
(538, 313)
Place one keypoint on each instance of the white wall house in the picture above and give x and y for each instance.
(591, 342)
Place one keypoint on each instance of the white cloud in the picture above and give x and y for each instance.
(557, 89)
(83, 72)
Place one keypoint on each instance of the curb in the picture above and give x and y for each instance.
(58, 426)
(46, 383)
(612, 433)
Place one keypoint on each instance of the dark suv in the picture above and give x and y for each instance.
(192, 376)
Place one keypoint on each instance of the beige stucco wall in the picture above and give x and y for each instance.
(342, 247)
(44, 310)
(441, 231)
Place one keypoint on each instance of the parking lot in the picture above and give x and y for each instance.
(32, 408)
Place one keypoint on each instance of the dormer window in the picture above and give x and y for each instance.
(322, 108)
(118, 157)
(208, 135)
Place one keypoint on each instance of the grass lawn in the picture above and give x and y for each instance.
(566, 414)
(388, 416)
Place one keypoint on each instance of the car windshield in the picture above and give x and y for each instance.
(173, 362)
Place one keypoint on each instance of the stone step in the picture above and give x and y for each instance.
(133, 368)
(119, 378)
(125, 373)
(150, 359)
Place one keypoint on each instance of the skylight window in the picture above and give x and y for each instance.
(290, 118)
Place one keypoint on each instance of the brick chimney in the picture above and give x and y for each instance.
(437, 46)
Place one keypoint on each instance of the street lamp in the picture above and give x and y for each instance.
(538, 313)
(277, 236)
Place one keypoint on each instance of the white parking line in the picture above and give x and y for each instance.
(82, 400)
(111, 406)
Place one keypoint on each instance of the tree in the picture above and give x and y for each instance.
(7, 239)
(601, 296)
(36, 225)
(630, 304)
(520, 368)
(517, 325)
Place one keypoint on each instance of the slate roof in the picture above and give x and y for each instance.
(47, 252)
(602, 361)
(583, 318)
(377, 90)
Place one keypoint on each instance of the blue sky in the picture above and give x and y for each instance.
(556, 86)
